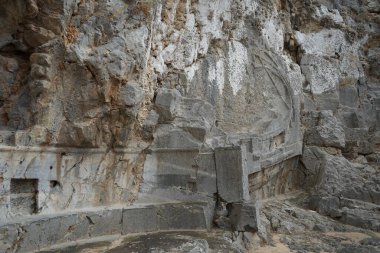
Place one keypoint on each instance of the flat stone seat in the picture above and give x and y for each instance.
(35, 232)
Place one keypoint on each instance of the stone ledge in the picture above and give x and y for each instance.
(67, 246)
(42, 231)
(59, 150)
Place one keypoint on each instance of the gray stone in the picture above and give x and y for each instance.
(206, 173)
(151, 121)
(334, 179)
(80, 229)
(320, 73)
(36, 36)
(356, 249)
(195, 116)
(44, 232)
(350, 119)
(348, 96)
(312, 43)
(277, 179)
(41, 59)
(150, 124)
(39, 232)
(353, 4)
(310, 119)
(7, 137)
(373, 158)
(170, 137)
(164, 170)
(232, 177)
(178, 241)
(131, 94)
(8, 236)
(370, 241)
(361, 218)
(329, 205)
(166, 102)
(327, 101)
(244, 217)
(138, 220)
(8, 69)
(105, 222)
(328, 132)
(358, 141)
(39, 86)
(182, 216)
(121, 103)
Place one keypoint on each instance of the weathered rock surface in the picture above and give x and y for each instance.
(341, 189)
(105, 104)
(294, 229)
(304, 230)
(179, 241)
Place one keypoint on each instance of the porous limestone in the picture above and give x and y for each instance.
(173, 114)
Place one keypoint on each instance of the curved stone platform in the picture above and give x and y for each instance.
(34, 233)
(162, 241)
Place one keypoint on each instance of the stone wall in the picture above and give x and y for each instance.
(104, 100)
(109, 103)
(38, 232)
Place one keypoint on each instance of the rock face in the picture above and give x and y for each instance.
(224, 103)
(343, 190)
(105, 103)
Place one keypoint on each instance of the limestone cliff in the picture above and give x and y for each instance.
(210, 104)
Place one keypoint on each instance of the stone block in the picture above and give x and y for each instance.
(105, 222)
(323, 43)
(321, 74)
(176, 169)
(55, 229)
(8, 235)
(329, 131)
(206, 174)
(184, 169)
(253, 164)
(348, 96)
(195, 116)
(181, 216)
(45, 231)
(276, 179)
(232, 179)
(137, 220)
(169, 137)
(79, 230)
(166, 102)
(32, 165)
(244, 217)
